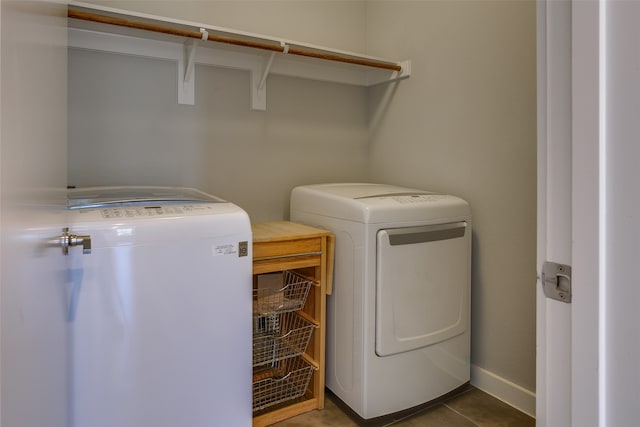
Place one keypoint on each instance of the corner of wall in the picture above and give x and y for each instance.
(510, 393)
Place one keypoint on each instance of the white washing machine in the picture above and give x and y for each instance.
(398, 332)
(159, 309)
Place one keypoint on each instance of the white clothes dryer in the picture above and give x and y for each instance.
(398, 332)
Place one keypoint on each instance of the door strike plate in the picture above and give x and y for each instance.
(556, 281)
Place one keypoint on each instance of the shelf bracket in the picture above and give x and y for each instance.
(258, 85)
(265, 73)
(190, 54)
(186, 82)
(404, 73)
(374, 77)
(258, 94)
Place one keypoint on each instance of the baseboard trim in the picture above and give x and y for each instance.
(512, 394)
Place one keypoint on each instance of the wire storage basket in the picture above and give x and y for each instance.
(280, 336)
(288, 380)
(291, 296)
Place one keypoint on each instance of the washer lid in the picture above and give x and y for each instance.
(97, 197)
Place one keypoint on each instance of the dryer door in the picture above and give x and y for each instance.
(422, 286)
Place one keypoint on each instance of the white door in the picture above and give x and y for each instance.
(34, 358)
(569, 199)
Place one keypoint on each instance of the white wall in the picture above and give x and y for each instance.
(464, 123)
(125, 126)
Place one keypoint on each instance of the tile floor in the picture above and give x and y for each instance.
(469, 408)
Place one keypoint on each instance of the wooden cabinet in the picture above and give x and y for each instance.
(307, 251)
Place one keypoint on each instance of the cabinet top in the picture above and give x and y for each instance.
(284, 230)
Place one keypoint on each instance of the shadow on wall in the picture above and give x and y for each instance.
(476, 295)
(379, 101)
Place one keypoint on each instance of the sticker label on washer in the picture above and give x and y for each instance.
(225, 249)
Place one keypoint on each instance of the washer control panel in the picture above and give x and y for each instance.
(419, 198)
(153, 211)
(150, 211)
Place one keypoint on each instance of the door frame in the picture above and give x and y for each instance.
(589, 205)
(571, 208)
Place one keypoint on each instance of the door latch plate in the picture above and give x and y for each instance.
(556, 281)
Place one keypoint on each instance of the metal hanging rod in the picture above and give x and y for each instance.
(280, 47)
